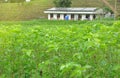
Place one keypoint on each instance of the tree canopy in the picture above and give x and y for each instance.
(62, 3)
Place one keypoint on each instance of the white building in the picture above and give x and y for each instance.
(73, 13)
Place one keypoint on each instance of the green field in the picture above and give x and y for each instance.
(60, 49)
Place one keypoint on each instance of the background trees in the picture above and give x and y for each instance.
(62, 3)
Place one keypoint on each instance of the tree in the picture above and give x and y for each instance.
(62, 3)
(107, 9)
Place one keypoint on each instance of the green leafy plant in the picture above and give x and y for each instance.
(60, 49)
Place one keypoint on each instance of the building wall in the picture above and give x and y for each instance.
(71, 17)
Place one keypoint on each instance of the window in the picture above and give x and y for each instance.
(94, 16)
(58, 16)
(65, 15)
(51, 15)
(79, 17)
(87, 16)
(72, 16)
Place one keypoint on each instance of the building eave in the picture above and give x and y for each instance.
(64, 12)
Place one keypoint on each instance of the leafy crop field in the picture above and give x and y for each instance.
(60, 49)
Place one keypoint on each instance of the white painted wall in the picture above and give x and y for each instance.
(49, 17)
(76, 17)
(108, 15)
(55, 16)
(83, 17)
(61, 16)
(91, 17)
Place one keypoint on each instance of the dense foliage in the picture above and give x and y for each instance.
(59, 49)
(62, 3)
